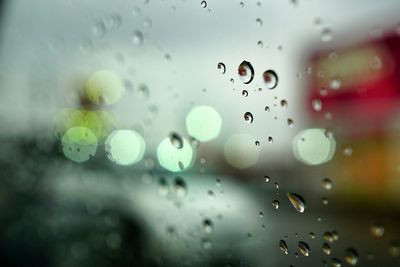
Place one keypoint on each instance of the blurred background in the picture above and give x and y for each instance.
(199, 133)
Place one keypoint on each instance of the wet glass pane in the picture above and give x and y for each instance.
(199, 133)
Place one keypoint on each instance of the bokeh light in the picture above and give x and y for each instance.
(125, 147)
(203, 123)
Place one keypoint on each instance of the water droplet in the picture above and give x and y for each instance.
(207, 243)
(180, 187)
(326, 35)
(335, 84)
(241, 4)
(221, 67)
(246, 72)
(257, 143)
(351, 256)
(276, 185)
(261, 214)
(137, 38)
(394, 249)
(312, 235)
(203, 4)
(266, 108)
(259, 22)
(163, 186)
(267, 179)
(136, 12)
(283, 247)
(316, 104)
(347, 151)
(284, 103)
(275, 204)
(324, 201)
(297, 202)
(208, 226)
(326, 249)
(335, 235)
(327, 184)
(176, 140)
(304, 249)
(328, 237)
(270, 79)
(260, 44)
(336, 262)
(248, 117)
(147, 23)
(270, 140)
(245, 93)
(99, 29)
(377, 230)
(290, 122)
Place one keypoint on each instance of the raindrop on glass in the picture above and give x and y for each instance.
(245, 93)
(203, 4)
(326, 35)
(270, 79)
(297, 202)
(336, 262)
(394, 249)
(266, 108)
(347, 151)
(267, 179)
(335, 84)
(275, 204)
(257, 143)
(326, 249)
(284, 103)
(283, 246)
(304, 249)
(248, 117)
(351, 256)
(259, 22)
(290, 122)
(221, 67)
(246, 72)
(316, 104)
(176, 140)
(270, 140)
(327, 184)
(327, 236)
(377, 230)
(208, 226)
(137, 38)
(180, 187)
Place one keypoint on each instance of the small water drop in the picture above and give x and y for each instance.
(316, 104)
(348, 151)
(312, 235)
(163, 186)
(326, 35)
(248, 117)
(283, 246)
(147, 23)
(136, 12)
(267, 179)
(304, 249)
(259, 22)
(208, 226)
(207, 244)
(336, 262)
(203, 4)
(325, 201)
(270, 140)
(180, 187)
(377, 230)
(245, 93)
(326, 249)
(137, 38)
(261, 214)
(270, 79)
(290, 122)
(327, 236)
(241, 4)
(335, 84)
(221, 67)
(257, 143)
(394, 249)
(260, 44)
(266, 108)
(99, 29)
(351, 256)
(297, 202)
(176, 140)
(335, 235)
(327, 183)
(246, 72)
(275, 204)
